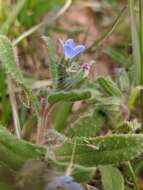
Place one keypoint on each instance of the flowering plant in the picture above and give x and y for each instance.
(71, 115)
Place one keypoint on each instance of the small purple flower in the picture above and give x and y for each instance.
(70, 50)
(63, 183)
(85, 66)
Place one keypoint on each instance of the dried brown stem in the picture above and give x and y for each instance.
(44, 120)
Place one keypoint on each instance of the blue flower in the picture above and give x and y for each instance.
(70, 50)
(63, 183)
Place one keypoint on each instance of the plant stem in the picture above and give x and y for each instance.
(141, 36)
(44, 120)
(14, 107)
(133, 175)
(99, 42)
(69, 169)
(141, 50)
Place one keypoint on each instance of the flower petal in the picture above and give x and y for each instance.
(70, 43)
(65, 182)
(64, 179)
(69, 52)
(77, 50)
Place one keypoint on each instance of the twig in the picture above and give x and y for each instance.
(102, 39)
(26, 34)
(39, 84)
(63, 9)
(47, 116)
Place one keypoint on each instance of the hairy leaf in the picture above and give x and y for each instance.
(8, 61)
(85, 126)
(15, 152)
(111, 178)
(133, 95)
(82, 174)
(101, 150)
(109, 86)
(117, 56)
(69, 96)
(122, 79)
(60, 114)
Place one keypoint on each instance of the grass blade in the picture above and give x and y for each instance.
(135, 44)
(141, 37)
(117, 56)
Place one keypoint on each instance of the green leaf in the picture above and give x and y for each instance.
(101, 150)
(133, 95)
(14, 152)
(85, 126)
(113, 108)
(8, 61)
(109, 86)
(111, 178)
(69, 96)
(60, 114)
(117, 56)
(122, 79)
(51, 60)
(83, 174)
